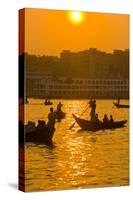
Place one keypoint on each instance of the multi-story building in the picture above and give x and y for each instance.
(31, 79)
(81, 88)
(93, 74)
(93, 63)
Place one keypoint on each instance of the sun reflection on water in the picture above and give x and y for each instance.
(77, 159)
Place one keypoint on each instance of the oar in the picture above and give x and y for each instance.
(79, 116)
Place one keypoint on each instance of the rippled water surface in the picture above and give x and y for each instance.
(77, 159)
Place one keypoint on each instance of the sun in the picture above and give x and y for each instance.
(76, 17)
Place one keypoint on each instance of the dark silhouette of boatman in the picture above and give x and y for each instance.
(93, 108)
(51, 119)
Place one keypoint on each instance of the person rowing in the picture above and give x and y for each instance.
(92, 104)
(96, 119)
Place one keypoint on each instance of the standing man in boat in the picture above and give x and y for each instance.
(90, 101)
(51, 119)
(93, 108)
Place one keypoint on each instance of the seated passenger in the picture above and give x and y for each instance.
(111, 119)
(59, 107)
(96, 119)
(30, 126)
(105, 119)
(41, 124)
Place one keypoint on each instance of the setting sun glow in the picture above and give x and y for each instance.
(76, 17)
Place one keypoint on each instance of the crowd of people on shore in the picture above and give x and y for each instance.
(94, 115)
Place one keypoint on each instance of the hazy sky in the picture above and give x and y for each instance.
(49, 31)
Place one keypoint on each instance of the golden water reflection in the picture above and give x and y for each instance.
(77, 159)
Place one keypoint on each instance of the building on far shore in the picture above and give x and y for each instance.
(93, 63)
(83, 74)
(45, 86)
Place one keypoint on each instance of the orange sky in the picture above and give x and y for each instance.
(49, 32)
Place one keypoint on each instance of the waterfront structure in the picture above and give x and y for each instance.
(93, 63)
(64, 87)
(84, 74)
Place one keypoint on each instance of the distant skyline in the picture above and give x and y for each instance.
(50, 32)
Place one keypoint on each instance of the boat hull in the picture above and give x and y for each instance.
(38, 135)
(120, 105)
(43, 135)
(48, 104)
(60, 115)
(91, 126)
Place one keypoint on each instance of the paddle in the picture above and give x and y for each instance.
(79, 116)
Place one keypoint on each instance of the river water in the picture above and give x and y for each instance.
(77, 159)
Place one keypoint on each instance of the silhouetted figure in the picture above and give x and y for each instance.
(93, 105)
(93, 108)
(41, 124)
(111, 119)
(30, 126)
(96, 118)
(90, 101)
(51, 119)
(105, 119)
(59, 107)
(46, 101)
(92, 115)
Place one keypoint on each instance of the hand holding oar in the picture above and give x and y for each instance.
(79, 116)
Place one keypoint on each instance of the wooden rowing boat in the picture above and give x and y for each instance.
(92, 126)
(48, 103)
(120, 105)
(37, 135)
(60, 115)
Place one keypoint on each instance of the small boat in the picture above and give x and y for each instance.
(41, 135)
(91, 126)
(47, 103)
(60, 115)
(120, 105)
